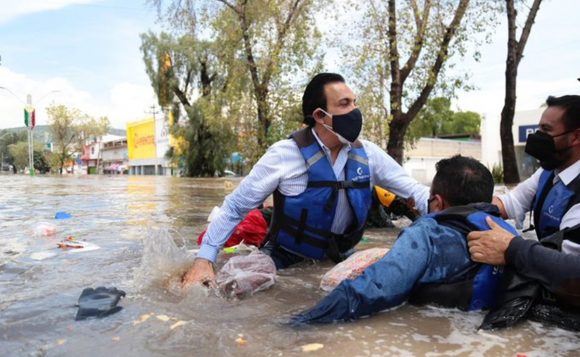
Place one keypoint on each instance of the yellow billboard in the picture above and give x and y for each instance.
(141, 139)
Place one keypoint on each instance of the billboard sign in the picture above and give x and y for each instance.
(141, 140)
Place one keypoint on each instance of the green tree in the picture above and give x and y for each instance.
(95, 129)
(264, 47)
(41, 163)
(19, 152)
(65, 131)
(437, 118)
(403, 57)
(464, 123)
(8, 138)
(184, 72)
(432, 119)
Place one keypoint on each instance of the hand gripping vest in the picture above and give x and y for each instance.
(475, 288)
(552, 201)
(301, 224)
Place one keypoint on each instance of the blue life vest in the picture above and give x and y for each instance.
(476, 287)
(552, 201)
(302, 224)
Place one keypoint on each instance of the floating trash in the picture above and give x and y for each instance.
(62, 215)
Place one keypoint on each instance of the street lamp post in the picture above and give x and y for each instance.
(30, 121)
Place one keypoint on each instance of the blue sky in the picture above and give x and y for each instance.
(88, 51)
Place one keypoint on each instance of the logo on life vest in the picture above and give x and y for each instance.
(359, 171)
(550, 209)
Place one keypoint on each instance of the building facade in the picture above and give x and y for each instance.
(421, 159)
(148, 142)
(115, 157)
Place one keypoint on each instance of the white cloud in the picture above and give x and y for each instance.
(531, 94)
(123, 103)
(130, 102)
(24, 7)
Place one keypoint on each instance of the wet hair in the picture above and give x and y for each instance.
(571, 106)
(461, 180)
(314, 96)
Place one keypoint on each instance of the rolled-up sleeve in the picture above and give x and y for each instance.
(387, 173)
(253, 190)
(518, 201)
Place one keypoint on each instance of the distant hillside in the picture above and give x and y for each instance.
(42, 132)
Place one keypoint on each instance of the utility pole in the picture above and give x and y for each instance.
(152, 111)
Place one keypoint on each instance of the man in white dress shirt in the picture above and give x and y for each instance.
(321, 179)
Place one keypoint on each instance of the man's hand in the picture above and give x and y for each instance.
(489, 246)
(201, 272)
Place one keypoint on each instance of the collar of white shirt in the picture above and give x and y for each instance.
(570, 173)
(324, 147)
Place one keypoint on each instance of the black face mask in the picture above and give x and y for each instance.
(542, 146)
(347, 125)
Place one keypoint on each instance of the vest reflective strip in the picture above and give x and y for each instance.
(358, 158)
(314, 159)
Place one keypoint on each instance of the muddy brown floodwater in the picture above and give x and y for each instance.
(145, 228)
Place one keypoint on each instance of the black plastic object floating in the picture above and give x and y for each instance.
(99, 302)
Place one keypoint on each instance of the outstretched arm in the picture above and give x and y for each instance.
(383, 285)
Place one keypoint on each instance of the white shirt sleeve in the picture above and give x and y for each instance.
(387, 173)
(518, 201)
(253, 190)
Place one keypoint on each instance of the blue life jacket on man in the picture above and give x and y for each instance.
(477, 286)
(302, 224)
(552, 201)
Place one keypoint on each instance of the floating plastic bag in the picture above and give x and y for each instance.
(62, 215)
(44, 229)
(244, 275)
(73, 245)
(352, 267)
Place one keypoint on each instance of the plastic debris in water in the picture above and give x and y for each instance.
(177, 324)
(62, 215)
(241, 340)
(230, 250)
(74, 246)
(42, 255)
(70, 242)
(99, 302)
(142, 319)
(311, 347)
(163, 318)
(44, 229)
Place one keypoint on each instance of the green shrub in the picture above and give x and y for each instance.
(497, 173)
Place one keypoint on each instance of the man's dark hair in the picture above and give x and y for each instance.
(571, 106)
(314, 94)
(461, 180)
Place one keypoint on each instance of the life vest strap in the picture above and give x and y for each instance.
(339, 185)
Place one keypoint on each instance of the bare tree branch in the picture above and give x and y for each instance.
(421, 22)
(521, 44)
(441, 57)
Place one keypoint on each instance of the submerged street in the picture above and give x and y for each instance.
(145, 228)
